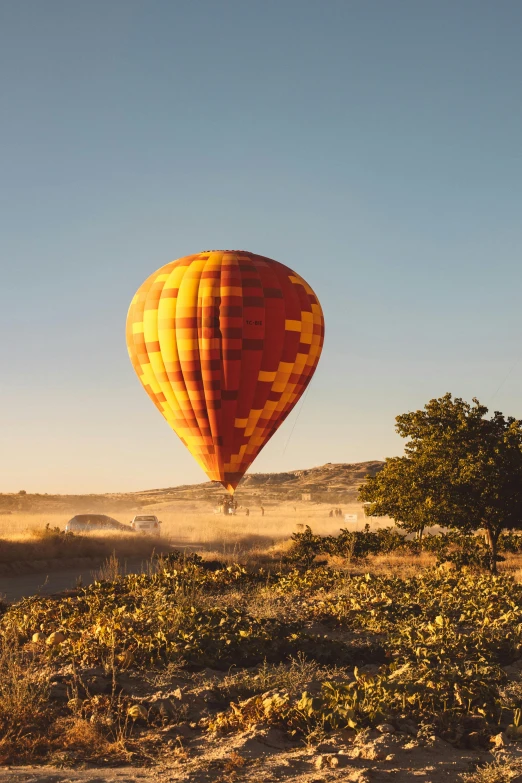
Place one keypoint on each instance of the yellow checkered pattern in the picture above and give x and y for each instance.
(225, 343)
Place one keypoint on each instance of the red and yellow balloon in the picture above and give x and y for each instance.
(225, 342)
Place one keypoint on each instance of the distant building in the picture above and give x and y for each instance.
(306, 496)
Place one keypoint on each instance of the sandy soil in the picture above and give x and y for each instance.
(12, 588)
(266, 755)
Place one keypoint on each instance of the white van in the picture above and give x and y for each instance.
(146, 523)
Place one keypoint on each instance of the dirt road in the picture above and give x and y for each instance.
(55, 576)
(52, 775)
(13, 588)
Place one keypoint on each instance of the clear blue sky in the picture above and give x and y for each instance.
(376, 147)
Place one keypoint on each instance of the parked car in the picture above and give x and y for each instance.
(87, 522)
(146, 523)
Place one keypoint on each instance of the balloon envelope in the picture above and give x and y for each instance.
(225, 343)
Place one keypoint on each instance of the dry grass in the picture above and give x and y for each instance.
(192, 526)
(195, 522)
(42, 544)
(202, 528)
(401, 564)
(33, 727)
(24, 697)
(20, 524)
(77, 738)
(494, 773)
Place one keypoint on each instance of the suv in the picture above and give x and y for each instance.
(86, 522)
(146, 523)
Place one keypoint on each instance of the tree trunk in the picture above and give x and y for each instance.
(419, 536)
(492, 541)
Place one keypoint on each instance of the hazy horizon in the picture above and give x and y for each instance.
(188, 484)
(373, 147)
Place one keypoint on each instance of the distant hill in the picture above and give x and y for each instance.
(331, 483)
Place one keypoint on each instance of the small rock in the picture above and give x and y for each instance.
(334, 762)
(386, 728)
(38, 638)
(55, 639)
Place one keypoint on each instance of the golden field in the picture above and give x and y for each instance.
(193, 526)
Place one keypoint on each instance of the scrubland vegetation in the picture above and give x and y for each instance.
(52, 544)
(36, 542)
(147, 666)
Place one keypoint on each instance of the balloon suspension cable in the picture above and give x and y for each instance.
(297, 418)
(501, 384)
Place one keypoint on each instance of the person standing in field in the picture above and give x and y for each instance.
(247, 512)
(262, 511)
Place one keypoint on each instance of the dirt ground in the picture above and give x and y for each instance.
(265, 755)
(56, 580)
(259, 754)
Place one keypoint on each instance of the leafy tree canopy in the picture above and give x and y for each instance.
(460, 470)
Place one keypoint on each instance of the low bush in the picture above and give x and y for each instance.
(458, 549)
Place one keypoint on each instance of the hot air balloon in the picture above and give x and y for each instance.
(225, 342)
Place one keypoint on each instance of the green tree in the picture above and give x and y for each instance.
(460, 470)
